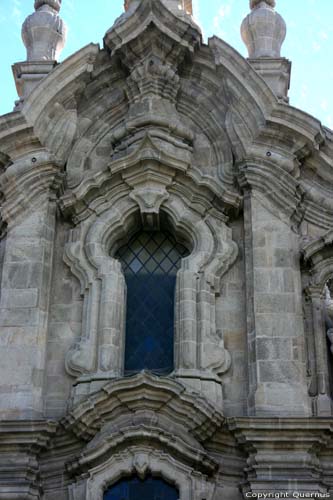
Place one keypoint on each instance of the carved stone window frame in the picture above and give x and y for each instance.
(200, 355)
(143, 461)
(318, 259)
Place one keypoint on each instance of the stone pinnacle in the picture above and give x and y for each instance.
(263, 30)
(44, 32)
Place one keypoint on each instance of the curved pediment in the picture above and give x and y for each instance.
(142, 439)
(202, 105)
(141, 399)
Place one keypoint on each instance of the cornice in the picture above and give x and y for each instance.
(315, 250)
(27, 182)
(144, 392)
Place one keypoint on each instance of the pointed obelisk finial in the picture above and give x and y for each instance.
(44, 32)
(263, 30)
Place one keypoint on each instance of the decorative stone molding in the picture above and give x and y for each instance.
(138, 186)
(29, 173)
(28, 183)
(101, 348)
(271, 466)
(166, 396)
(329, 315)
(21, 443)
(153, 78)
(318, 270)
(276, 72)
(142, 460)
(136, 426)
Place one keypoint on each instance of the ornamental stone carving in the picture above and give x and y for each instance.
(329, 314)
(263, 30)
(317, 275)
(44, 32)
(128, 434)
(199, 352)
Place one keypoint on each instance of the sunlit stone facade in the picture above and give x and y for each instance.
(161, 132)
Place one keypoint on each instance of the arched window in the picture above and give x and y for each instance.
(150, 261)
(135, 489)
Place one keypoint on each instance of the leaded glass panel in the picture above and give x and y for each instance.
(135, 489)
(150, 262)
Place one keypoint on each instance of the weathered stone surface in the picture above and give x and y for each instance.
(159, 131)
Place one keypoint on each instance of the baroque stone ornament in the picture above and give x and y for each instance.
(329, 315)
(199, 353)
(144, 435)
(159, 131)
(318, 272)
(44, 32)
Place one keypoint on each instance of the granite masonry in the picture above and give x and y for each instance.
(160, 131)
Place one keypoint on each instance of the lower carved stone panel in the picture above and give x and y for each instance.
(147, 427)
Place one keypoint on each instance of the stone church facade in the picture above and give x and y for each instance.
(215, 381)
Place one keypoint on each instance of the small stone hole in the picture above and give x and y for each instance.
(33, 160)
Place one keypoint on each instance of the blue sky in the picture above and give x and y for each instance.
(309, 42)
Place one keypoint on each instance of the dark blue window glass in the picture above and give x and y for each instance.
(150, 262)
(135, 489)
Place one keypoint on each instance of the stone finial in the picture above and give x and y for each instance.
(255, 3)
(44, 32)
(263, 30)
(55, 4)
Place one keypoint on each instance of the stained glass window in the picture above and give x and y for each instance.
(135, 489)
(150, 262)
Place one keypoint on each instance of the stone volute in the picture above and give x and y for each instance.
(44, 32)
(263, 30)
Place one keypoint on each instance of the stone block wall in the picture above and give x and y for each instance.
(277, 363)
(65, 324)
(24, 306)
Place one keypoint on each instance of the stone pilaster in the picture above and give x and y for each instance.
(283, 455)
(323, 399)
(26, 280)
(274, 313)
(317, 271)
(20, 445)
